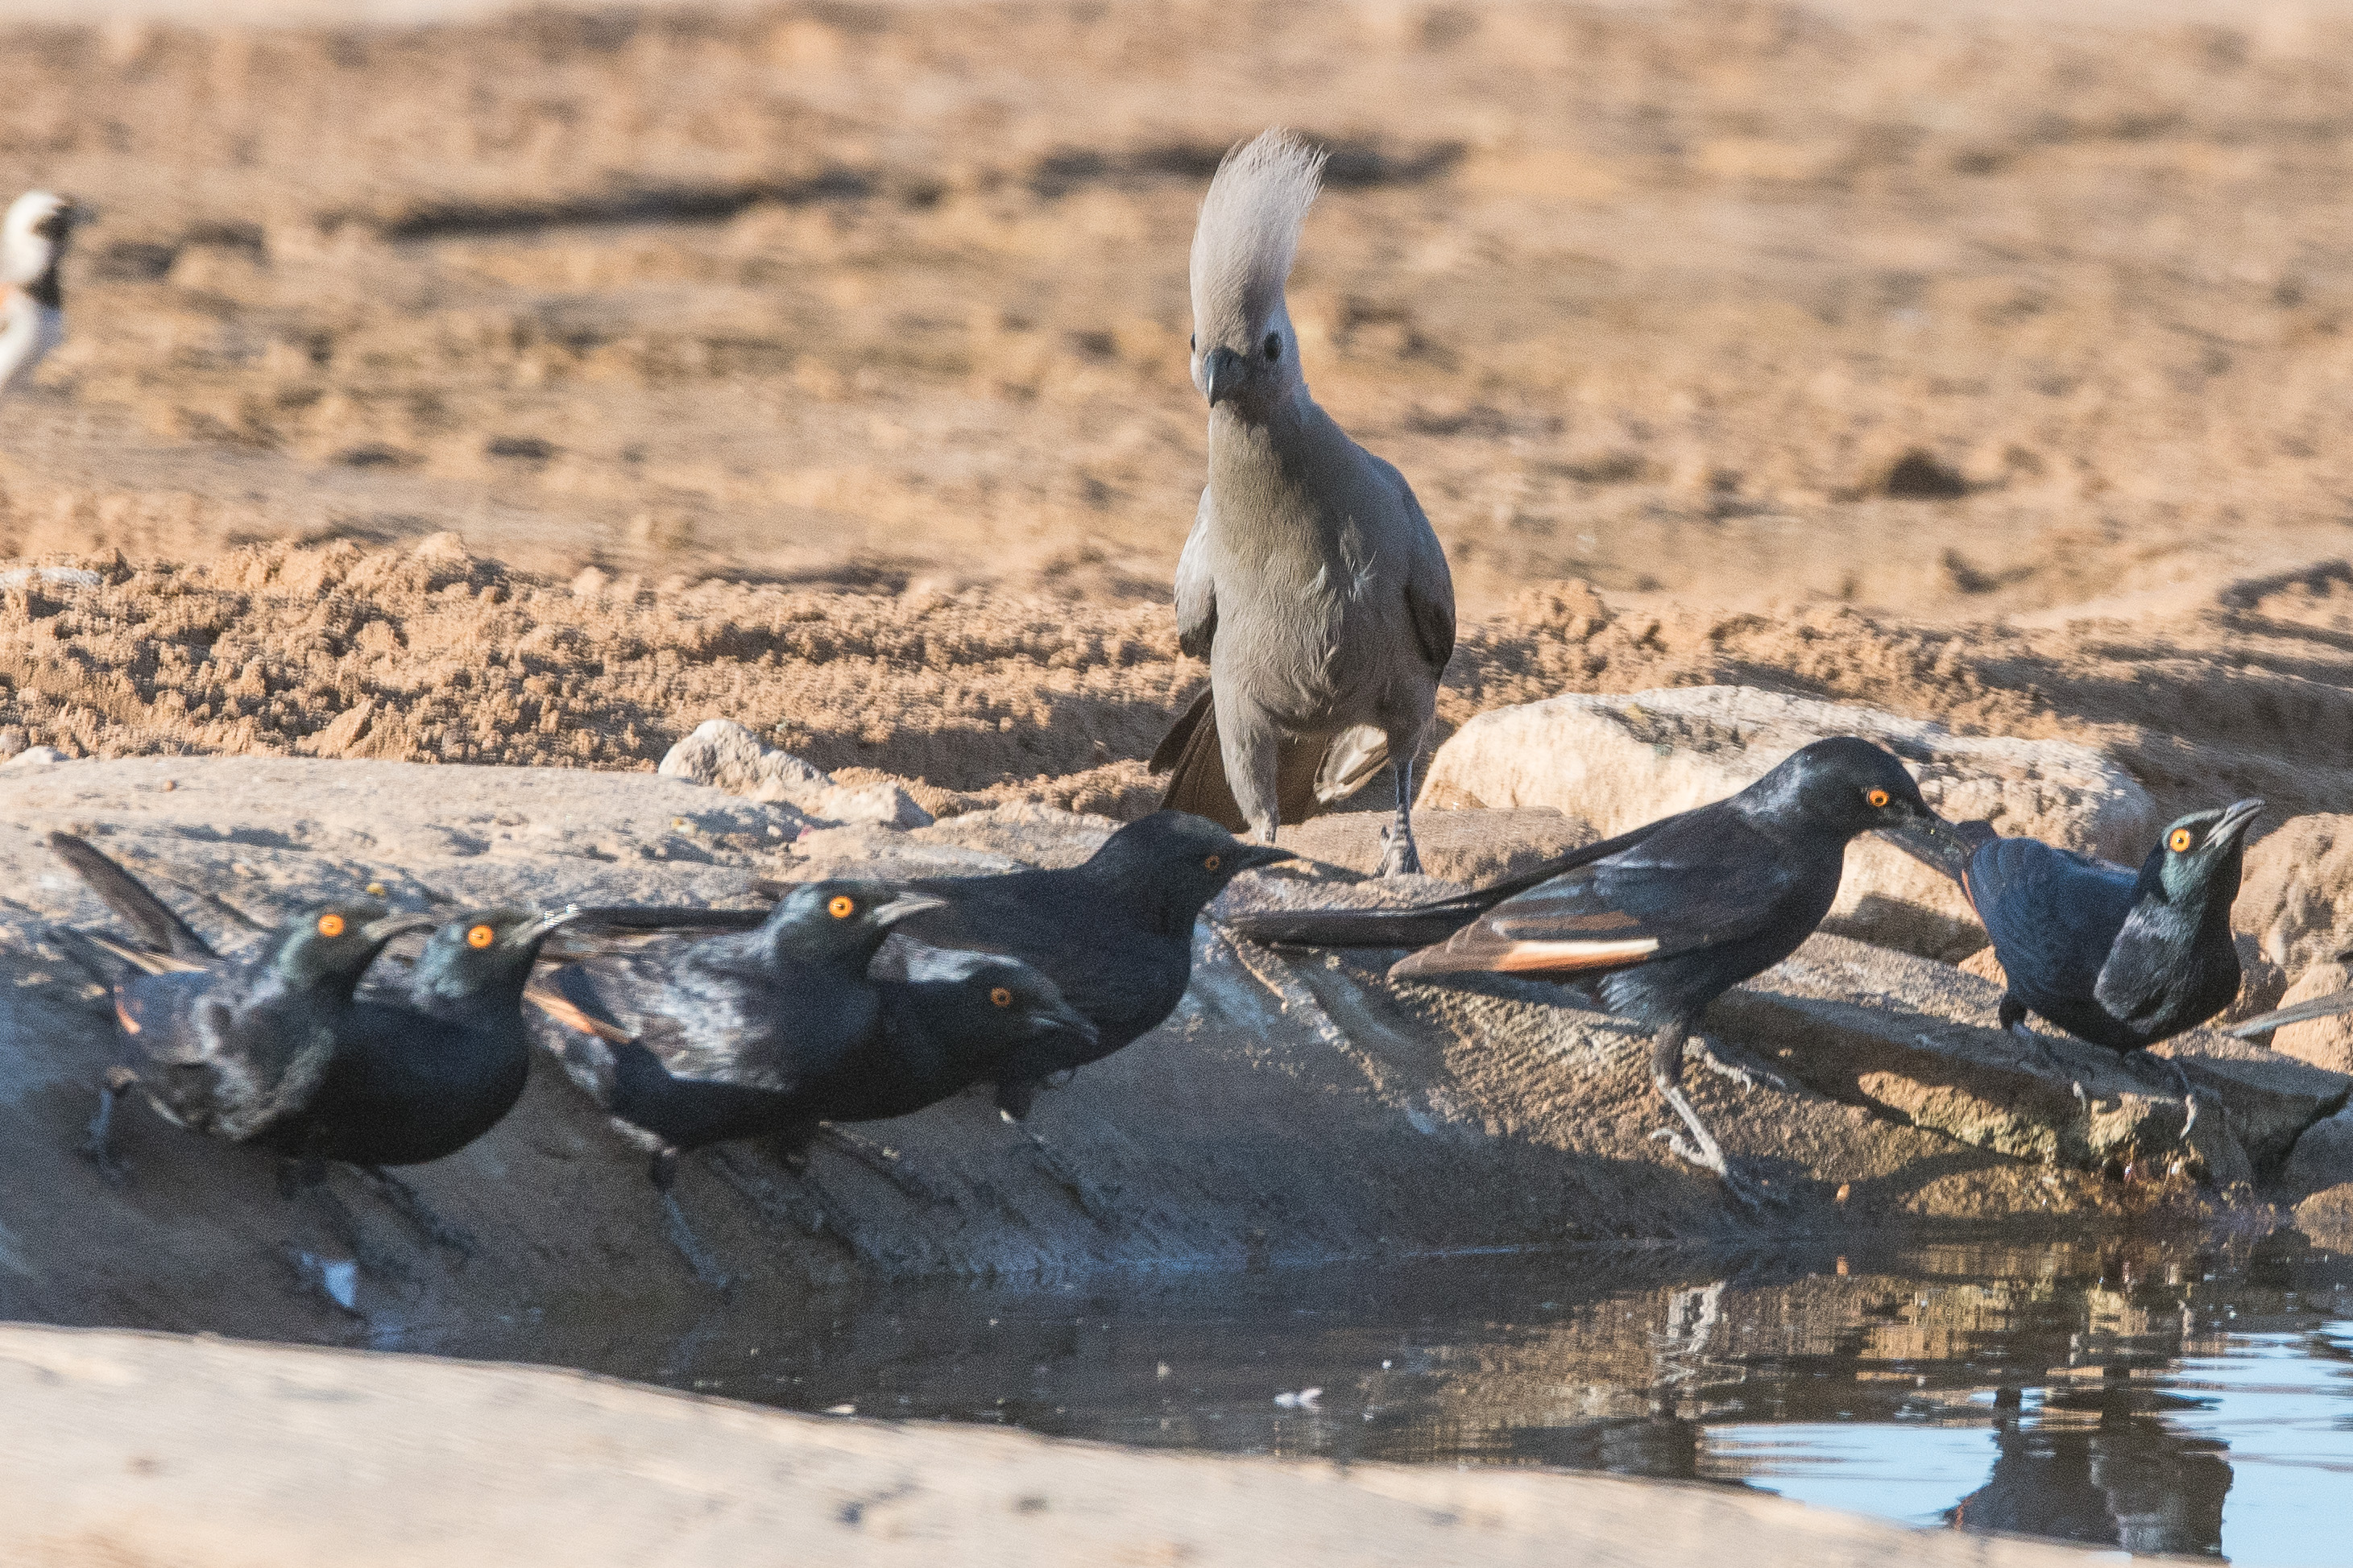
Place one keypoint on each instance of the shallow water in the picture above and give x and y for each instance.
(2159, 1397)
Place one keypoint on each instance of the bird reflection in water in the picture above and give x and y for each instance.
(2100, 1466)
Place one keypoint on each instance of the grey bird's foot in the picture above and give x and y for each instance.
(97, 1145)
(1399, 856)
(407, 1203)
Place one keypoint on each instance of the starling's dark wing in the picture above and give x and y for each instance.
(157, 926)
(2054, 914)
(1419, 925)
(1703, 878)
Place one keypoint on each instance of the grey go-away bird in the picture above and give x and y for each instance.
(1312, 582)
(32, 306)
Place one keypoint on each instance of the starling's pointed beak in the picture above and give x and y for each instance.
(392, 926)
(904, 905)
(2236, 818)
(1221, 371)
(537, 930)
(1253, 856)
(1062, 1016)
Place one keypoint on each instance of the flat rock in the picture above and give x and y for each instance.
(1621, 761)
(1470, 847)
(1295, 1109)
(145, 1448)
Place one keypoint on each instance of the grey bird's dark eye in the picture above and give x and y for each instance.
(1273, 347)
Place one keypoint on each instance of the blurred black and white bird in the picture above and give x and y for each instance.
(32, 303)
(1312, 582)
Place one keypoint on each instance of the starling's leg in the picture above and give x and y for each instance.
(2188, 1095)
(1089, 1199)
(1701, 1148)
(884, 1163)
(1014, 1098)
(1739, 1064)
(664, 1171)
(2013, 1019)
(1400, 858)
(97, 1144)
(412, 1208)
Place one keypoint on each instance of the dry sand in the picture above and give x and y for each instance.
(1972, 365)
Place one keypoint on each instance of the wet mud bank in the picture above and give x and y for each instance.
(1295, 1110)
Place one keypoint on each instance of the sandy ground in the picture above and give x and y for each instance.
(1660, 296)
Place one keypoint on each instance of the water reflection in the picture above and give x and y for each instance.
(2180, 1399)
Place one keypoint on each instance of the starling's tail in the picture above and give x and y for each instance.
(157, 926)
(2326, 1006)
(1194, 757)
(1417, 925)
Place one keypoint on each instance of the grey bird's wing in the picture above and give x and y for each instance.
(1429, 585)
(1197, 590)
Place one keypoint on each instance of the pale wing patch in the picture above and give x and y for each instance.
(572, 1017)
(1554, 955)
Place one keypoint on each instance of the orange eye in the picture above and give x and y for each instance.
(1877, 797)
(481, 936)
(1213, 861)
(1001, 997)
(840, 905)
(2178, 841)
(331, 925)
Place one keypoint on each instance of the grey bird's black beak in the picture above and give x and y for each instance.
(1066, 1020)
(1930, 838)
(1254, 856)
(1221, 371)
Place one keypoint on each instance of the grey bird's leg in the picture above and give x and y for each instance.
(2012, 1017)
(1701, 1148)
(2188, 1095)
(1399, 856)
(407, 1201)
(664, 1171)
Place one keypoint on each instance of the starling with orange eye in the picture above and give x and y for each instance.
(762, 1033)
(236, 1048)
(1113, 934)
(2119, 958)
(1660, 922)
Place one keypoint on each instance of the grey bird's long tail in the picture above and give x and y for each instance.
(157, 926)
(1194, 758)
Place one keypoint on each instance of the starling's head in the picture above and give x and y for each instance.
(329, 946)
(988, 1006)
(1177, 862)
(484, 950)
(1245, 353)
(33, 235)
(1846, 785)
(841, 921)
(2201, 855)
